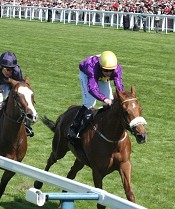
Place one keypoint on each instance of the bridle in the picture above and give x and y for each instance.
(129, 126)
(128, 100)
(133, 123)
(23, 115)
(19, 120)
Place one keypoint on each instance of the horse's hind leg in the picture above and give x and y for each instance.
(51, 160)
(59, 150)
(77, 166)
(125, 173)
(7, 175)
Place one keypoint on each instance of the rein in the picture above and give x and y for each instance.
(19, 120)
(136, 121)
(106, 139)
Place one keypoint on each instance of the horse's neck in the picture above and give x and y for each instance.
(9, 125)
(12, 109)
(110, 120)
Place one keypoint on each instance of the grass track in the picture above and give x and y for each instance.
(49, 54)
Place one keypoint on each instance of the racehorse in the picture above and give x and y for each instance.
(105, 142)
(13, 137)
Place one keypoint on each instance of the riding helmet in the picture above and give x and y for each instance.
(108, 60)
(8, 59)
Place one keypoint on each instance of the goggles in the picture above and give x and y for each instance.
(106, 70)
(7, 69)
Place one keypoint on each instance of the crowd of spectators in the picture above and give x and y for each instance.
(137, 6)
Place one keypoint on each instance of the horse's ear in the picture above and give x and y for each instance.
(27, 79)
(119, 94)
(133, 91)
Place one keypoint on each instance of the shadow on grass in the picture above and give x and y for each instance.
(20, 203)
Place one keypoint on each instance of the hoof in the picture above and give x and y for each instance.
(38, 184)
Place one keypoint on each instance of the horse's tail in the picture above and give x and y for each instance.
(49, 123)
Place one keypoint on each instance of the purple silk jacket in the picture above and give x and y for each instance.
(91, 67)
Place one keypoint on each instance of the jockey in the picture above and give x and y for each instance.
(95, 75)
(9, 69)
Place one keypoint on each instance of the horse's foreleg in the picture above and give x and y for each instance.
(51, 160)
(125, 173)
(7, 175)
(98, 183)
(77, 166)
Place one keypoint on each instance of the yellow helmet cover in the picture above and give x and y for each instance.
(108, 60)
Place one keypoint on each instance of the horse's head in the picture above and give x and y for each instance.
(132, 114)
(24, 98)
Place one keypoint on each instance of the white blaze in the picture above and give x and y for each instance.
(133, 105)
(27, 94)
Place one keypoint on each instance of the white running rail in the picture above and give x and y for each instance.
(105, 198)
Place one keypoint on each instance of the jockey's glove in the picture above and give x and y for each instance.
(108, 101)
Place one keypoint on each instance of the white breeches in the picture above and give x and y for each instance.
(88, 100)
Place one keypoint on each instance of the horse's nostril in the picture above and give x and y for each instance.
(35, 118)
(141, 138)
(29, 116)
(32, 118)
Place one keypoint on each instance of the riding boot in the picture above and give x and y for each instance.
(87, 119)
(73, 132)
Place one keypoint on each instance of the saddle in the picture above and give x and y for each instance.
(89, 116)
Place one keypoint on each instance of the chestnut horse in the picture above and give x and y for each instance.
(105, 142)
(13, 137)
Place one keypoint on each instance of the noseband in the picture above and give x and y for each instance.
(136, 121)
